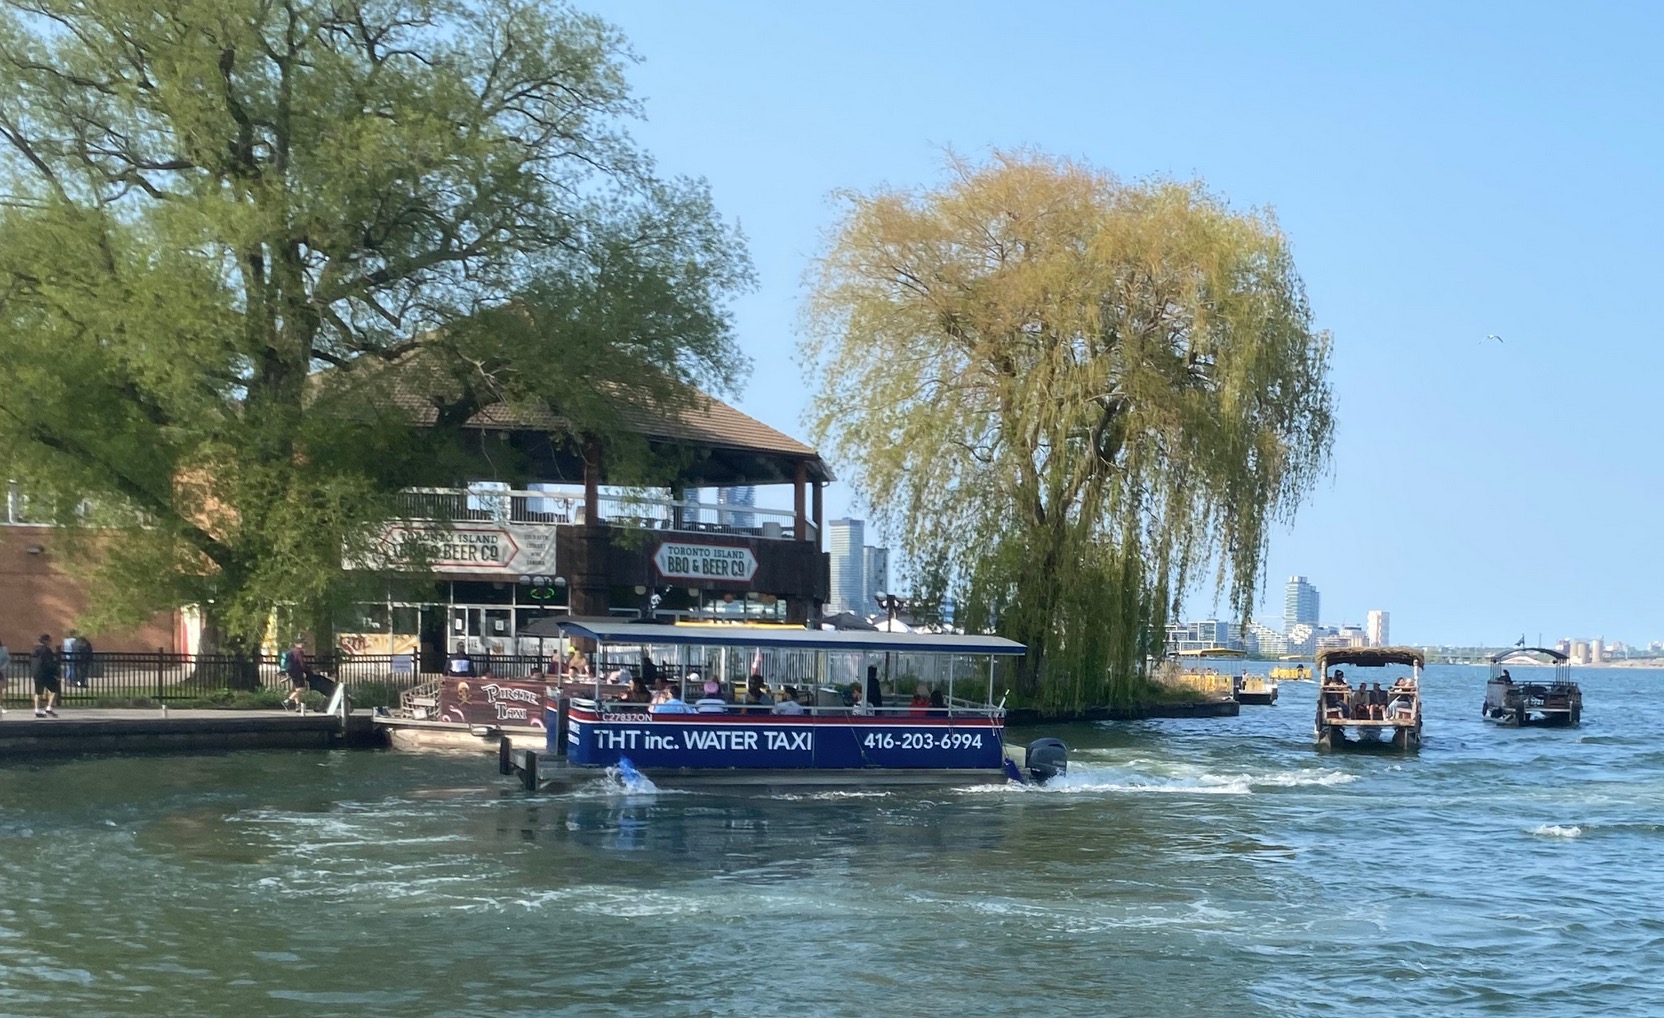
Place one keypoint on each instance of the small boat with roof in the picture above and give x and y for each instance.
(1514, 703)
(1368, 709)
(746, 703)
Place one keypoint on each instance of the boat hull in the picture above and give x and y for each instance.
(1399, 736)
(449, 737)
(1533, 704)
(969, 745)
(1257, 699)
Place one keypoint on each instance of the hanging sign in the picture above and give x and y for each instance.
(719, 562)
(461, 549)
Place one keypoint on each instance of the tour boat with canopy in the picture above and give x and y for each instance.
(739, 702)
(1368, 709)
(1512, 703)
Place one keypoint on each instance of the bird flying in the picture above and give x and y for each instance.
(1493, 336)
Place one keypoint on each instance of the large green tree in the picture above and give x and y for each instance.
(228, 226)
(1084, 390)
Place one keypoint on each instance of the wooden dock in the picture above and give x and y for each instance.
(77, 731)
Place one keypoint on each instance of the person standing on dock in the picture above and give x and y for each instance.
(5, 663)
(44, 665)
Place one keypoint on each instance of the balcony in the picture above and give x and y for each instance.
(504, 506)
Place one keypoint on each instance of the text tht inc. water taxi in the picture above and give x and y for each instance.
(747, 703)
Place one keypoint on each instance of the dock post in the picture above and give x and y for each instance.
(505, 757)
(528, 773)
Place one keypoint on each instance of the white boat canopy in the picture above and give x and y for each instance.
(780, 637)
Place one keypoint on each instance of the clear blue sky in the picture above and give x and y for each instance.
(1445, 171)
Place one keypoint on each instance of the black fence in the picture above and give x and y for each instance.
(161, 676)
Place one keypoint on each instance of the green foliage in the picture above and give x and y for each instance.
(1076, 390)
(244, 244)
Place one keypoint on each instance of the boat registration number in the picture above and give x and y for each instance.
(923, 740)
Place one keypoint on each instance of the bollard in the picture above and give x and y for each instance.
(528, 774)
(505, 759)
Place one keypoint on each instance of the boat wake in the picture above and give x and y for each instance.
(1557, 831)
(1089, 779)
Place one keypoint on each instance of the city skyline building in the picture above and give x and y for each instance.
(1301, 604)
(734, 505)
(845, 545)
(1376, 624)
(875, 576)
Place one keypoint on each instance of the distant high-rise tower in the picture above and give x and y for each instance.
(845, 540)
(745, 497)
(1300, 607)
(875, 569)
(1376, 625)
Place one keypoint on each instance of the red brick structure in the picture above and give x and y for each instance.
(38, 595)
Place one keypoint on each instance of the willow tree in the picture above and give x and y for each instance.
(1084, 391)
(222, 220)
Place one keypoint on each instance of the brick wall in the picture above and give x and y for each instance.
(38, 596)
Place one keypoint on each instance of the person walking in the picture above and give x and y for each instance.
(5, 663)
(44, 663)
(295, 668)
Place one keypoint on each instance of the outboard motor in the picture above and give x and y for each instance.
(1046, 758)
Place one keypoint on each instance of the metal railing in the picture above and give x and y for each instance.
(160, 676)
(461, 505)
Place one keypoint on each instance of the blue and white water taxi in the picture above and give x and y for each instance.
(771, 703)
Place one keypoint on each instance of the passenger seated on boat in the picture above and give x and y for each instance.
(638, 692)
(937, 700)
(920, 707)
(672, 704)
(1359, 703)
(852, 695)
(712, 702)
(788, 703)
(875, 696)
(756, 693)
(1505, 677)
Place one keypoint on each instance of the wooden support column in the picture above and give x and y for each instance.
(800, 523)
(589, 582)
(820, 514)
(592, 480)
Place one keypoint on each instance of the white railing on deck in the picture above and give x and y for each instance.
(484, 505)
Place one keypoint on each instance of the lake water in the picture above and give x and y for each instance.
(1207, 866)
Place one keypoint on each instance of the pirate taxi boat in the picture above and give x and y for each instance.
(869, 708)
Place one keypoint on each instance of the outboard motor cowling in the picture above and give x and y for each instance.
(1046, 759)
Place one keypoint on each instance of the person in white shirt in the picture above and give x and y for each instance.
(787, 704)
(712, 702)
(671, 704)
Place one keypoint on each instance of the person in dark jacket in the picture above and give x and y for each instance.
(44, 663)
(83, 660)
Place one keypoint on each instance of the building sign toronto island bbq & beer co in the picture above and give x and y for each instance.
(719, 562)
